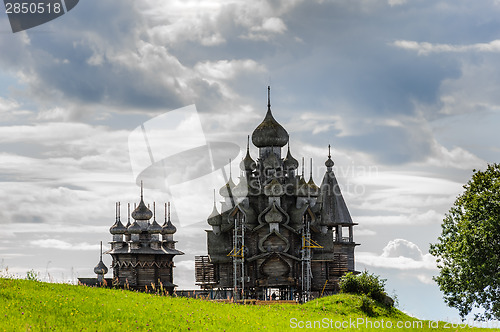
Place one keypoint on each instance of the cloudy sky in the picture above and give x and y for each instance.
(406, 91)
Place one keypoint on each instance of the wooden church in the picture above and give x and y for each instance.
(143, 250)
(277, 236)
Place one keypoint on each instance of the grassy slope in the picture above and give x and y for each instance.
(29, 305)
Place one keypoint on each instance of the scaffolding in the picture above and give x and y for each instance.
(306, 252)
(238, 256)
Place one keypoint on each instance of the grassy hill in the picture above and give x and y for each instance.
(34, 306)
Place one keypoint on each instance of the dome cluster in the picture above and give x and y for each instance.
(142, 224)
(269, 175)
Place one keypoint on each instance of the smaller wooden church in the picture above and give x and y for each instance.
(143, 251)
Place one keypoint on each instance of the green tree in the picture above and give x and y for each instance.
(468, 250)
(364, 284)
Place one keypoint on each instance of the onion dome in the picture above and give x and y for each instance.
(100, 268)
(226, 189)
(154, 228)
(126, 228)
(302, 187)
(214, 219)
(290, 162)
(269, 132)
(248, 164)
(329, 163)
(313, 189)
(117, 228)
(274, 188)
(168, 227)
(142, 212)
(128, 220)
(241, 189)
(135, 228)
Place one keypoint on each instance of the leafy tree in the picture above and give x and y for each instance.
(364, 284)
(468, 250)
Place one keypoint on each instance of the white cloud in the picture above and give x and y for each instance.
(457, 157)
(400, 263)
(273, 24)
(59, 133)
(54, 114)
(404, 204)
(7, 105)
(59, 228)
(365, 232)
(402, 247)
(401, 183)
(215, 22)
(11, 110)
(425, 48)
(474, 91)
(188, 264)
(223, 72)
(184, 273)
(225, 69)
(425, 279)
(201, 31)
(317, 123)
(396, 2)
(63, 245)
(425, 218)
(97, 59)
(399, 254)
(180, 21)
(269, 26)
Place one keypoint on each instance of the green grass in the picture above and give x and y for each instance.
(37, 306)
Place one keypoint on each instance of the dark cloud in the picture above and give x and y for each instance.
(345, 55)
(392, 145)
(98, 58)
(330, 51)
